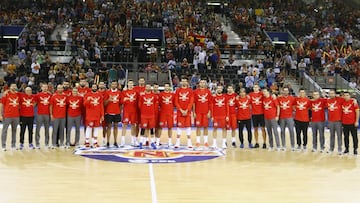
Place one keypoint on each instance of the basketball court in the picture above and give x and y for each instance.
(232, 175)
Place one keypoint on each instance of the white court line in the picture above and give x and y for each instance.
(152, 184)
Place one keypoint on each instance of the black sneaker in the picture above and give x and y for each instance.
(256, 145)
(346, 151)
(264, 146)
(355, 152)
(233, 144)
(116, 145)
(107, 145)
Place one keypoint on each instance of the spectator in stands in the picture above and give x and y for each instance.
(270, 77)
(112, 74)
(249, 82)
(185, 64)
(195, 79)
(121, 75)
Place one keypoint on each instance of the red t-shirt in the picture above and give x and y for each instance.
(148, 104)
(75, 105)
(27, 103)
(256, 103)
(270, 107)
(349, 109)
(334, 108)
(243, 108)
(68, 92)
(302, 106)
(129, 98)
(83, 91)
(139, 89)
(202, 100)
(58, 104)
(113, 105)
(11, 105)
(318, 110)
(286, 106)
(43, 103)
(166, 103)
(94, 106)
(219, 106)
(184, 99)
(231, 98)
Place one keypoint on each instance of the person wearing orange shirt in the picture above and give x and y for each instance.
(58, 115)
(318, 120)
(243, 104)
(219, 115)
(9, 114)
(232, 123)
(166, 113)
(286, 103)
(350, 121)
(271, 115)
(74, 110)
(43, 114)
(334, 114)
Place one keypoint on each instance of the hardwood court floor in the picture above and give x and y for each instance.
(243, 175)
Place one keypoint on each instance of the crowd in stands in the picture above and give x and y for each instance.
(195, 41)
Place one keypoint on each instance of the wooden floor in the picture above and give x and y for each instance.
(243, 175)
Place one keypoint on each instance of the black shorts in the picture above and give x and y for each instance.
(112, 118)
(258, 120)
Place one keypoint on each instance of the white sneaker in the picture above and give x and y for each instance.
(313, 150)
(278, 149)
(170, 144)
(283, 149)
(293, 149)
(4, 149)
(177, 145)
(224, 146)
(214, 146)
(270, 149)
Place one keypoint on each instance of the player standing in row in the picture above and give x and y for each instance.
(102, 91)
(43, 114)
(232, 123)
(220, 115)
(129, 100)
(318, 106)
(202, 113)
(301, 107)
(243, 104)
(286, 103)
(94, 111)
(334, 109)
(350, 121)
(147, 105)
(156, 91)
(258, 115)
(58, 115)
(166, 119)
(74, 110)
(112, 100)
(271, 114)
(9, 114)
(184, 100)
(140, 89)
(27, 103)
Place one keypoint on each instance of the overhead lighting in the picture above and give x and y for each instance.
(279, 42)
(213, 4)
(152, 40)
(10, 37)
(139, 40)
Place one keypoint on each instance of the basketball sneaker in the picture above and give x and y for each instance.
(153, 145)
(242, 146)
(116, 145)
(355, 152)
(4, 149)
(256, 145)
(31, 146)
(313, 150)
(224, 146)
(283, 149)
(214, 146)
(270, 149)
(21, 146)
(206, 144)
(233, 144)
(250, 146)
(197, 144)
(264, 146)
(140, 145)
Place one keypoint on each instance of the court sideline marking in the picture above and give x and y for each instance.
(152, 184)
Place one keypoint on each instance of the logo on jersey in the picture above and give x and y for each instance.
(232, 102)
(243, 105)
(167, 100)
(45, 100)
(267, 105)
(332, 106)
(164, 155)
(74, 104)
(346, 109)
(14, 102)
(60, 102)
(285, 105)
(148, 101)
(27, 102)
(114, 98)
(95, 101)
(184, 96)
(316, 107)
(220, 102)
(301, 105)
(203, 98)
(130, 97)
(256, 100)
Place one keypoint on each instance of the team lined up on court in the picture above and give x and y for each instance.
(148, 111)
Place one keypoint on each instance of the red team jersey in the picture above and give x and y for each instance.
(243, 105)
(27, 103)
(43, 103)
(270, 107)
(231, 99)
(68, 92)
(11, 105)
(286, 106)
(202, 101)
(83, 91)
(94, 108)
(147, 106)
(349, 109)
(166, 103)
(75, 105)
(139, 89)
(113, 105)
(318, 110)
(184, 100)
(58, 103)
(256, 103)
(219, 110)
(302, 106)
(129, 100)
(334, 108)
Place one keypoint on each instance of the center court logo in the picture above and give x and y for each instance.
(162, 155)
